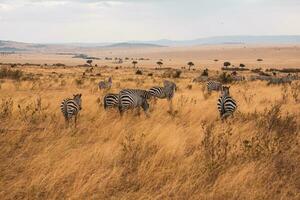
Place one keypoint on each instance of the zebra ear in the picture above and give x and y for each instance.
(80, 95)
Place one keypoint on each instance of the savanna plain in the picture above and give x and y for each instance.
(185, 153)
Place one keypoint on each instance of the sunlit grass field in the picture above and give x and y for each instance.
(188, 153)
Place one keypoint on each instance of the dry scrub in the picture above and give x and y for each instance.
(189, 154)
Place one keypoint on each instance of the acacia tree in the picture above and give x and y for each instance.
(190, 64)
(134, 63)
(159, 63)
(89, 62)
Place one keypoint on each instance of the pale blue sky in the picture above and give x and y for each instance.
(122, 20)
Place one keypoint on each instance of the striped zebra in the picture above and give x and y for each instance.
(71, 107)
(213, 85)
(166, 92)
(105, 84)
(277, 81)
(133, 98)
(226, 104)
(111, 101)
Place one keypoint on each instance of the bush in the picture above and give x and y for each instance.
(59, 65)
(139, 72)
(226, 64)
(172, 73)
(285, 70)
(205, 72)
(79, 82)
(259, 59)
(242, 65)
(10, 74)
(6, 108)
(225, 78)
(234, 69)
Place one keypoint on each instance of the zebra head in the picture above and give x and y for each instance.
(170, 84)
(77, 99)
(225, 90)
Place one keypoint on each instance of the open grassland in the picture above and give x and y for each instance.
(176, 57)
(185, 154)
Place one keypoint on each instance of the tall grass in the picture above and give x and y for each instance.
(189, 154)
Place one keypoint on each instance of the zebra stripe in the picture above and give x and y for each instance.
(105, 84)
(277, 81)
(226, 104)
(133, 98)
(213, 85)
(143, 93)
(111, 101)
(166, 92)
(71, 107)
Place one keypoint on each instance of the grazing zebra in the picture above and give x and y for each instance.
(226, 104)
(111, 101)
(143, 93)
(133, 98)
(105, 84)
(213, 85)
(277, 81)
(71, 107)
(166, 92)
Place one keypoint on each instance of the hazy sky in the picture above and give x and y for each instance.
(122, 20)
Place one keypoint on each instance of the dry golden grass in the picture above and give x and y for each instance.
(189, 154)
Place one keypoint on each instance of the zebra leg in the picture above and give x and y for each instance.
(75, 120)
(170, 105)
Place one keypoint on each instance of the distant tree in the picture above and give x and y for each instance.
(190, 64)
(205, 72)
(134, 63)
(89, 62)
(242, 65)
(226, 64)
(216, 60)
(159, 63)
(259, 59)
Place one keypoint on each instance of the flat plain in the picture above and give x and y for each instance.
(186, 153)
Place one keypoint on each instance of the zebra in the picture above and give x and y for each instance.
(133, 98)
(226, 104)
(166, 92)
(283, 80)
(105, 84)
(111, 101)
(213, 85)
(71, 107)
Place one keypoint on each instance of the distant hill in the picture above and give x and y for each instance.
(280, 39)
(132, 45)
(12, 46)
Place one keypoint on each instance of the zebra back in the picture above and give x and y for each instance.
(71, 107)
(226, 104)
(213, 85)
(132, 98)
